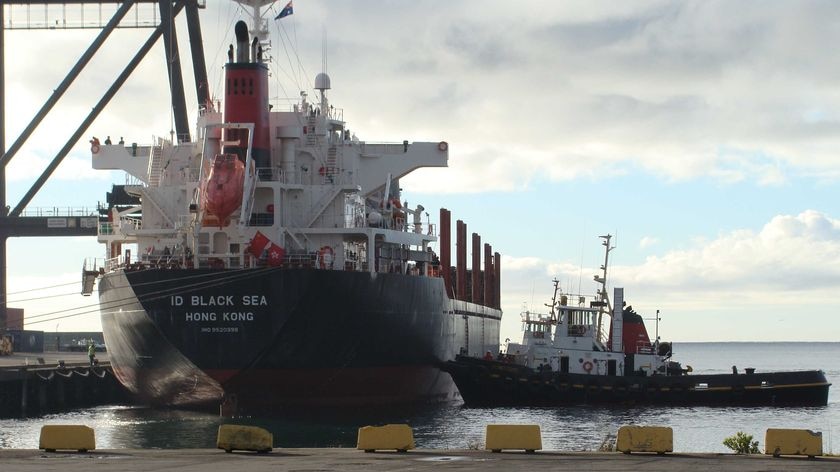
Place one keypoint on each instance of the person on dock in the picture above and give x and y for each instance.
(91, 352)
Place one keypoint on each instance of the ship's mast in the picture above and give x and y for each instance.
(602, 279)
(259, 25)
(553, 314)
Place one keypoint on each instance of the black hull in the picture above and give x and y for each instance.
(491, 383)
(267, 338)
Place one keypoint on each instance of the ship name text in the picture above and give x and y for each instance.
(218, 300)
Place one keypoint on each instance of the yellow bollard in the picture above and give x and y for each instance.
(658, 439)
(244, 438)
(513, 436)
(391, 436)
(67, 436)
(792, 442)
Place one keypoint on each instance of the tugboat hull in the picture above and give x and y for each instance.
(491, 383)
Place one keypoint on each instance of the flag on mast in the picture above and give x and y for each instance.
(286, 11)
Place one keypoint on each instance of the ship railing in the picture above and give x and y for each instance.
(132, 180)
(383, 148)
(161, 141)
(352, 262)
(113, 263)
(643, 347)
(125, 223)
(106, 228)
(59, 211)
(94, 264)
(418, 228)
(336, 114)
(218, 261)
(162, 260)
(337, 176)
(528, 316)
(130, 223)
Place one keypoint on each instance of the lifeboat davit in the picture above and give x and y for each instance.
(222, 193)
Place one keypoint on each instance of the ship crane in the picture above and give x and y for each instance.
(14, 222)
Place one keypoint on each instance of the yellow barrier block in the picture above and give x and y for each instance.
(793, 442)
(658, 439)
(66, 436)
(390, 436)
(244, 438)
(513, 436)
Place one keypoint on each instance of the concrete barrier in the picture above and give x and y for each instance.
(67, 437)
(244, 438)
(793, 442)
(658, 439)
(513, 436)
(391, 436)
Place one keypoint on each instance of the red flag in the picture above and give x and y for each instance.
(275, 255)
(258, 244)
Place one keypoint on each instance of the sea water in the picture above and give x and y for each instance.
(454, 426)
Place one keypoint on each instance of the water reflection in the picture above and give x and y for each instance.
(577, 428)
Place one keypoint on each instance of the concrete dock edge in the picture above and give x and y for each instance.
(346, 459)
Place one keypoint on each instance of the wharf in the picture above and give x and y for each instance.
(51, 358)
(35, 383)
(212, 460)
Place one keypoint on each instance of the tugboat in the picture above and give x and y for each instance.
(279, 264)
(566, 358)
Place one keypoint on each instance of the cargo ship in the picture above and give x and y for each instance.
(274, 262)
(565, 357)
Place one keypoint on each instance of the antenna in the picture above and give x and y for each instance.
(324, 49)
(603, 280)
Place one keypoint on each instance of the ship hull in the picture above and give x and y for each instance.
(491, 383)
(267, 338)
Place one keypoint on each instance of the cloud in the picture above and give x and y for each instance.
(737, 93)
(648, 241)
(790, 254)
(792, 262)
(681, 91)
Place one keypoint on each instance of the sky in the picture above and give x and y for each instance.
(701, 134)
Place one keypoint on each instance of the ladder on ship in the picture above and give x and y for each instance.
(331, 165)
(155, 166)
(311, 139)
(467, 335)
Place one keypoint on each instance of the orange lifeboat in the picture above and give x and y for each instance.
(222, 193)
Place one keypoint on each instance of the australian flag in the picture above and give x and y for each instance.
(286, 11)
